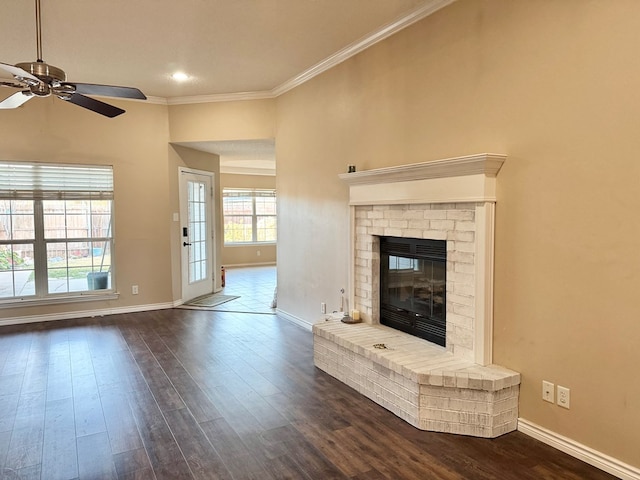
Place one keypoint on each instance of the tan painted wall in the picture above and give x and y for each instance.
(552, 84)
(243, 120)
(49, 130)
(248, 254)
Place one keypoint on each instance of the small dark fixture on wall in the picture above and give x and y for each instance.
(351, 169)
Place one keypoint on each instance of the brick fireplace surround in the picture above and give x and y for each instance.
(455, 389)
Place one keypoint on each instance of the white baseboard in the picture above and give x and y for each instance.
(84, 313)
(579, 451)
(293, 319)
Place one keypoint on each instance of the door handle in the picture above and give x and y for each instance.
(185, 244)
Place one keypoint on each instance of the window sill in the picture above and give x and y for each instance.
(34, 302)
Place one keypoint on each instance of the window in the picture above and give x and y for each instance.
(249, 216)
(56, 237)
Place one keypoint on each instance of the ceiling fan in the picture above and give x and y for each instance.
(38, 79)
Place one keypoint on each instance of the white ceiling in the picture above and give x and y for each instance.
(229, 48)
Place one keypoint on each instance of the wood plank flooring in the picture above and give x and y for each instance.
(181, 394)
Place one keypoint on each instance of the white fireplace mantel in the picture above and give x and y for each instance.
(470, 178)
(462, 180)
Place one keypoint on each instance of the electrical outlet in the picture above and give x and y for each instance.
(134, 289)
(323, 308)
(258, 253)
(547, 391)
(564, 397)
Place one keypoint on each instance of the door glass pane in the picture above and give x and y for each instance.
(197, 230)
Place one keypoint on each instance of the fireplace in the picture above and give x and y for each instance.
(452, 201)
(422, 245)
(413, 279)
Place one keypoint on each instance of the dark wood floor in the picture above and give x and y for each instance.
(194, 394)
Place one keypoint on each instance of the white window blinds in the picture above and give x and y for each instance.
(54, 181)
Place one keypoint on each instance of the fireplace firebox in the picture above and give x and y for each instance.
(413, 286)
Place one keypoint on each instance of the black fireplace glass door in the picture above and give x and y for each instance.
(416, 285)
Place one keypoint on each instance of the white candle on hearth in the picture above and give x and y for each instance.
(355, 314)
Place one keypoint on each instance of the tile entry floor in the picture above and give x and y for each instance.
(254, 286)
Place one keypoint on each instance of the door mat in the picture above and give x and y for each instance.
(210, 300)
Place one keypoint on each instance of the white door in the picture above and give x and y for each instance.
(196, 233)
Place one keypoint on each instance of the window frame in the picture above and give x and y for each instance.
(41, 182)
(252, 194)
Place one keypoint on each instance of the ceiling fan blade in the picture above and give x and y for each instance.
(107, 90)
(15, 100)
(18, 72)
(94, 105)
(10, 83)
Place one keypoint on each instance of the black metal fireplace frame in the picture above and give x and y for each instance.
(428, 324)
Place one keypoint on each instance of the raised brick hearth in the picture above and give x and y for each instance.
(418, 381)
(455, 389)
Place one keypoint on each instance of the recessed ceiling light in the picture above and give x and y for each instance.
(180, 76)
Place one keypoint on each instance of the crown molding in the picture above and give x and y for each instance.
(340, 56)
(358, 46)
(248, 171)
(221, 97)
(155, 100)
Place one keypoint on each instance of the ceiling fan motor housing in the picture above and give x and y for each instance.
(45, 72)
